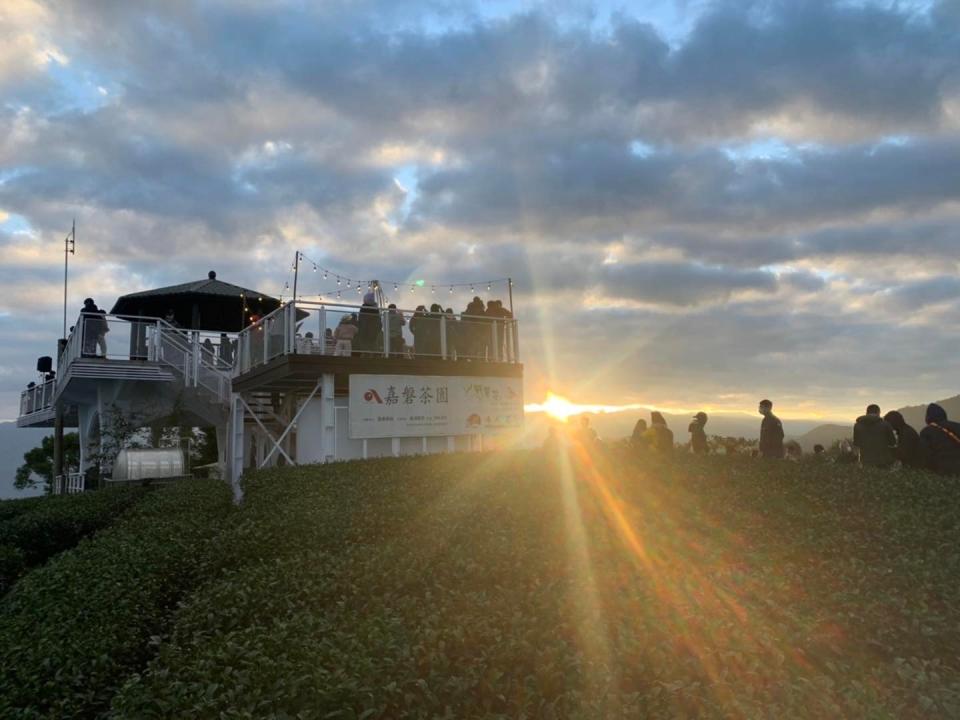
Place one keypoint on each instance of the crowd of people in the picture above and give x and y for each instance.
(885, 441)
(464, 335)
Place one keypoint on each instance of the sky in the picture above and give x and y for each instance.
(700, 203)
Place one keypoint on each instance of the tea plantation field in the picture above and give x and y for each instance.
(505, 585)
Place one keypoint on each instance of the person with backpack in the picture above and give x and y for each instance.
(907, 450)
(940, 442)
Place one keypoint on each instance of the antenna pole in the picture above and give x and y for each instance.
(69, 248)
(296, 273)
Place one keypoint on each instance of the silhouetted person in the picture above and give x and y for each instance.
(874, 437)
(940, 442)
(659, 437)
(419, 330)
(637, 439)
(908, 441)
(225, 351)
(453, 333)
(586, 434)
(771, 432)
(370, 335)
(395, 323)
(474, 328)
(698, 436)
(94, 329)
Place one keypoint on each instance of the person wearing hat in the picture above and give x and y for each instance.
(940, 442)
(698, 437)
(771, 432)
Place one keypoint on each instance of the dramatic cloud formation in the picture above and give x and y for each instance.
(706, 203)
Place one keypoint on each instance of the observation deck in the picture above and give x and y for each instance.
(293, 346)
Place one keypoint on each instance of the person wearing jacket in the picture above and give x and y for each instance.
(698, 437)
(908, 441)
(771, 432)
(940, 442)
(658, 437)
(875, 439)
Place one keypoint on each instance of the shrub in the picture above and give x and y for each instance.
(71, 631)
(53, 524)
(511, 586)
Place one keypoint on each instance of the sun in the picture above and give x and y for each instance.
(557, 407)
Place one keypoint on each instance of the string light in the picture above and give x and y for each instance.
(338, 294)
(433, 290)
(451, 289)
(345, 281)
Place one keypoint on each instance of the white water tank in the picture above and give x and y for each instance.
(148, 463)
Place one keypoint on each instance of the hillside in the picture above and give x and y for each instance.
(504, 585)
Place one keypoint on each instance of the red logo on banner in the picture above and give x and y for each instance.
(372, 396)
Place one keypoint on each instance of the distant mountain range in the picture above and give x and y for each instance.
(915, 415)
(14, 442)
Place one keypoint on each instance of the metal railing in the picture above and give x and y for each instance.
(69, 484)
(37, 398)
(201, 358)
(315, 328)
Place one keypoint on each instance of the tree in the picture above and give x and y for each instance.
(38, 462)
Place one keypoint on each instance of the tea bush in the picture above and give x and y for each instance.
(522, 585)
(73, 630)
(42, 527)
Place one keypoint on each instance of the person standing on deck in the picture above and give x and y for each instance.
(771, 432)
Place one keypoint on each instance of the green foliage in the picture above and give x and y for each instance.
(502, 586)
(505, 585)
(72, 630)
(39, 461)
(53, 524)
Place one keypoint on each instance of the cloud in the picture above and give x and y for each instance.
(745, 201)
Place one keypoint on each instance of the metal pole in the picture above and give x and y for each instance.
(69, 248)
(510, 292)
(296, 273)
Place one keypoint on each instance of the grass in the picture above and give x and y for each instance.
(516, 585)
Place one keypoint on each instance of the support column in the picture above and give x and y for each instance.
(328, 418)
(236, 442)
(58, 463)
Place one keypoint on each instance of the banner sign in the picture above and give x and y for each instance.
(416, 405)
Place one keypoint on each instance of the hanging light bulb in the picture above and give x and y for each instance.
(472, 291)
(394, 287)
(488, 287)
(338, 281)
(338, 294)
(324, 274)
(314, 268)
(411, 289)
(286, 286)
(451, 289)
(433, 290)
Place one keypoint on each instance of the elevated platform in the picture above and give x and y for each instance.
(300, 373)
